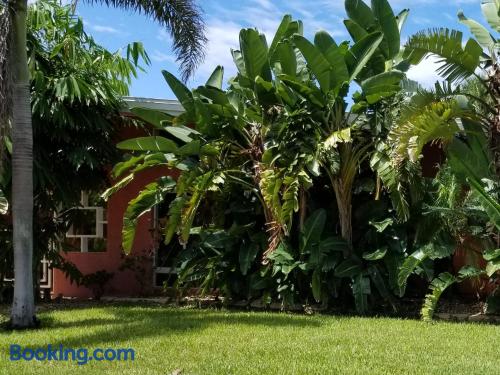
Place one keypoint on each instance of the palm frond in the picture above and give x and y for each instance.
(423, 121)
(457, 62)
(182, 18)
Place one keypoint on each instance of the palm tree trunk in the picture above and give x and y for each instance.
(23, 307)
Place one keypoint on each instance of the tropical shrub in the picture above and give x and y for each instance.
(76, 89)
(267, 145)
(463, 119)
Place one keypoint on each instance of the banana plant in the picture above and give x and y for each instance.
(223, 135)
(375, 63)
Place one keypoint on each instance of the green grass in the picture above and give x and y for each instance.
(221, 342)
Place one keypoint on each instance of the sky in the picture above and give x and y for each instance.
(115, 28)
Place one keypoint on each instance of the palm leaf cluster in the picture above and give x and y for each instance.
(182, 18)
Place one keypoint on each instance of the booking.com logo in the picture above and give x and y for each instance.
(81, 355)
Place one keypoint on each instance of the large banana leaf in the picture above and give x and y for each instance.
(333, 53)
(180, 91)
(361, 52)
(401, 18)
(389, 26)
(284, 54)
(316, 61)
(491, 11)
(313, 229)
(254, 51)
(382, 85)
(359, 12)
(482, 35)
(151, 116)
(151, 195)
(355, 31)
(216, 78)
(152, 143)
(286, 29)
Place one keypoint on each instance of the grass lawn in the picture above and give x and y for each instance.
(221, 342)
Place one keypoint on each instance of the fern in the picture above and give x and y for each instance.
(440, 284)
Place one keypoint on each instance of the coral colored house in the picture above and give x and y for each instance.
(99, 244)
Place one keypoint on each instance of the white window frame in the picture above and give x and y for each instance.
(100, 221)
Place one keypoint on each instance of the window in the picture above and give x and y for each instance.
(88, 231)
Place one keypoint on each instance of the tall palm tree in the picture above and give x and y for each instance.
(182, 18)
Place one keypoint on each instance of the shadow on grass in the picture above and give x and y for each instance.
(145, 322)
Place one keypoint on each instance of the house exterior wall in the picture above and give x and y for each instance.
(138, 278)
(127, 282)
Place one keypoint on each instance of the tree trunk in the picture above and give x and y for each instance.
(344, 206)
(23, 307)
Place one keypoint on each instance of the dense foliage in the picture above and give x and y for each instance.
(284, 193)
(76, 90)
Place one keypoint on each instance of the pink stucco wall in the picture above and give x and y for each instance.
(123, 283)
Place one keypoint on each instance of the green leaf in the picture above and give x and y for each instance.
(189, 149)
(490, 9)
(458, 62)
(376, 255)
(313, 94)
(492, 267)
(409, 266)
(180, 91)
(247, 254)
(355, 31)
(255, 54)
(489, 203)
(379, 281)
(339, 136)
(182, 133)
(148, 144)
(285, 30)
(482, 35)
(348, 268)
(316, 285)
(401, 18)
(360, 13)
(361, 289)
(361, 52)
(285, 55)
(151, 195)
(382, 85)
(313, 228)
(389, 25)
(491, 254)
(438, 286)
(216, 78)
(316, 61)
(117, 186)
(152, 116)
(382, 225)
